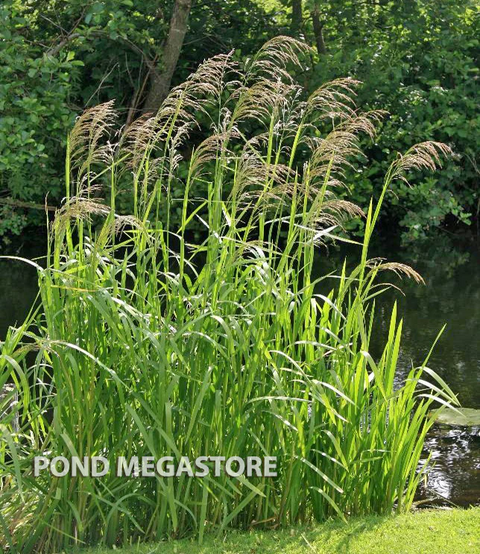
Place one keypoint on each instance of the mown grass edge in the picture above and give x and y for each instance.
(434, 531)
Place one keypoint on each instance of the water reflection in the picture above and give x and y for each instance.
(18, 284)
(456, 471)
(451, 296)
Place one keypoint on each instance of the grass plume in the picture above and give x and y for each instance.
(149, 344)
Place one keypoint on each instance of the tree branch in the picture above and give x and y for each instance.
(318, 31)
(160, 82)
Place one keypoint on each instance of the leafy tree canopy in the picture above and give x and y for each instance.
(418, 60)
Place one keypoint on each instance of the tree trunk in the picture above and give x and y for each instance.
(297, 19)
(318, 31)
(160, 80)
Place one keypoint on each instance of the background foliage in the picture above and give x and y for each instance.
(418, 60)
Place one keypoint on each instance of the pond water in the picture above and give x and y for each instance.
(451, 296)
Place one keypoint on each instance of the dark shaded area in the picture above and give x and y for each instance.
(451, 297)
(18, 282)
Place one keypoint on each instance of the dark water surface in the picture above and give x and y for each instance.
(451, 296)
(18, 283)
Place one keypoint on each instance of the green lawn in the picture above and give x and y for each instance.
(425, 532)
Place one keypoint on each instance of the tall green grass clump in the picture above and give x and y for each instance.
(147, 343)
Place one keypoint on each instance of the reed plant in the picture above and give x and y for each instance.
(146, 342)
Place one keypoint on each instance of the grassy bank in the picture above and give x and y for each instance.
(434, 531)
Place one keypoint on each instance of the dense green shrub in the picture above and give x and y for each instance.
(418, 61)
(59, 56)
(34, 102)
